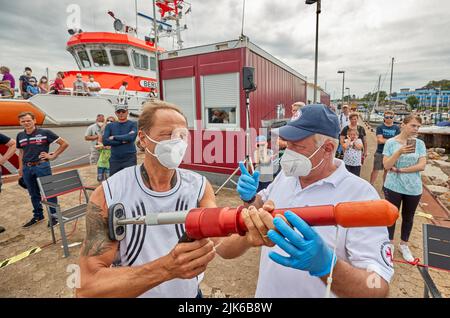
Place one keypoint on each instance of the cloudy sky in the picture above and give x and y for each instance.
(358, 36)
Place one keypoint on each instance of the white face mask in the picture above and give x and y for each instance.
(297, 165)
(170, 152)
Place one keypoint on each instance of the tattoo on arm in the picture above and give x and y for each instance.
(97, 241)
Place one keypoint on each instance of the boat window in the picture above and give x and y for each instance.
(120, 58)
(84, 59)
(144, 61)
(100, 58)
(153, 63)
(140, 60)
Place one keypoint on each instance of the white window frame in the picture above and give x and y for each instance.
(219, 127)
(139, 53)
(79, 61)
(93, 48)
(119, 49)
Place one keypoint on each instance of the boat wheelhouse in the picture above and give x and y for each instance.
(114, 58)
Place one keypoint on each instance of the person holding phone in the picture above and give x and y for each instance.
(404, 156)
(384, 132)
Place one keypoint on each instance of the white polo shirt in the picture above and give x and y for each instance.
(365, 248)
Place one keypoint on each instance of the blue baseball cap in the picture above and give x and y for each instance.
(315, 119)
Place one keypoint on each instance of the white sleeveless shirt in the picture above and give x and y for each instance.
(143, 244)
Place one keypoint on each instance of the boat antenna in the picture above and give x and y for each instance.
(171, 10)
(155, 30)
(136, 12)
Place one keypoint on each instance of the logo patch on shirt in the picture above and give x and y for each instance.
(387, 253)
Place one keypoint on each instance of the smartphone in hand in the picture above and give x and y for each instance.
(411, 142)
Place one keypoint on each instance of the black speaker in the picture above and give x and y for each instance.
(247, 79)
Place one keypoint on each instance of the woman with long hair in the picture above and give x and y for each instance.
(404, 156)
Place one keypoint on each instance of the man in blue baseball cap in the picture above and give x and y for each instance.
(311, 176)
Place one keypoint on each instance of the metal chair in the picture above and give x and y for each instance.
(57, 185)
(436, 253)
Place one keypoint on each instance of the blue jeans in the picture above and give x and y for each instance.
(102, 174)
(117, 165)
(30, 175)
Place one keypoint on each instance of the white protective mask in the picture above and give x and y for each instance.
(170, 152)
(297, 165)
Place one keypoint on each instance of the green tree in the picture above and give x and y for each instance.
(444, 84)
(382, 97)
(412, 101)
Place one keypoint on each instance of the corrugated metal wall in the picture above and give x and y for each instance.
(274, 86)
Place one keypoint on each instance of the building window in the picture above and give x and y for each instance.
(120, 58)
(84, 59)
(220, 100)
(100, 58)
(181, 92)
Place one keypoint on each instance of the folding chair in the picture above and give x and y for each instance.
(436, 253)
(59, 184)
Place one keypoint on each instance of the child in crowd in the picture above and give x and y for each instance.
(104, 154)
(264, 163)
(353, 146)
(32, 88)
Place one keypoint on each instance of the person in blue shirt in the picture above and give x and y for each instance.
(34, 162)
(404, 157)
(121, 136)
(384, 132)
(32, 88)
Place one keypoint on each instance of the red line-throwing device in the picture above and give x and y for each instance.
(219, 222)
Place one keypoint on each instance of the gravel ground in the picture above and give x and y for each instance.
(47, 273)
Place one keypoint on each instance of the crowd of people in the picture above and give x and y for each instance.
(29, 85)
(395, 156)
(399, 154)
(165, 267)
(296, 259)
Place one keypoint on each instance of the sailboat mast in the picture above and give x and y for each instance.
(376, 100)
(392, 73)
(378, 92)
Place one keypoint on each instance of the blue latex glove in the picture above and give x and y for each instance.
(308, 253)
(247, 184)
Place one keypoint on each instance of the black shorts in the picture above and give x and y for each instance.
(378, 161)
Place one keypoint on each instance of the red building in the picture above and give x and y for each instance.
(207, 83)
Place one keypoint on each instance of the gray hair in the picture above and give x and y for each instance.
(321, 139)
(298, 105)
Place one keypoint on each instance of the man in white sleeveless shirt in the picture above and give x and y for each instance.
(149, 262)
(300, 263)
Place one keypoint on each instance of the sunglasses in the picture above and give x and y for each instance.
(388, 117)
(121, 111)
